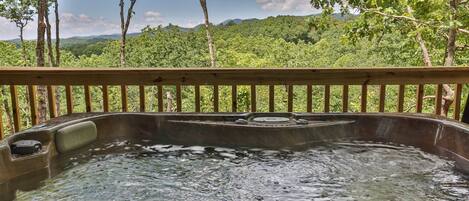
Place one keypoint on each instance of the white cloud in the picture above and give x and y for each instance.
(285, 5)
(153, 17)
(72, 24)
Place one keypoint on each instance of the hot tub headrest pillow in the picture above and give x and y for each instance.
(75, 136)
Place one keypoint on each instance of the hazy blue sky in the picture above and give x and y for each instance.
(95, 17)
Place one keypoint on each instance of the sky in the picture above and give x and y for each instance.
(100, 17)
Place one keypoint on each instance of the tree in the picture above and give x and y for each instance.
(125, 22)
(57, 33)
(21, 13)
(41, 28)
(211, 46)
(422, 20)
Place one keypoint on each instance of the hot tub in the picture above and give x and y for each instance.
(245, 156)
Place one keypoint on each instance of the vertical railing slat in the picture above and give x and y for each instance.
(178, 98)
(271, 98)
(309, 98)
(105, 98)
(290, 98)
(400, 101)
(197, 98)
(88, 98)
(253, 98)
(215, 99)
(51, 101)
(420, 93)
(32, 103)
(1, 123)
(69, 97)
(364, 98)
(457, 102)
(15, 107)
(439, 99)
(345, 93)
(160, 98)
(234, 98)
(141, 91)
(327, 98)
(124, 98)
(382, 97)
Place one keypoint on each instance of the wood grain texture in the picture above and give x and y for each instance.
(15, 108)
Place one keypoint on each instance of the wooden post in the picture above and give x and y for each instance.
(253, 98)
(215, 98)
(87, 98)
(105, 98)
(234, 98)
(309, 98)
(178, 98)
(52, 102)
(15, 107)
(457, 102)
(271, 98)
(382, 97)
(420, 93)
(364, 98)
(197, 98)
(345, 98)
(33, 104)
(124, 99)
(69, 97)
(327, 98)
(290, 98)
(400, 102)
(141, 92)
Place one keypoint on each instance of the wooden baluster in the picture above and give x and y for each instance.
(457, 102)
(124, 98)
(15, 107)
(400, 102)
(271, 98)
(364, 98)
(234, 98)
(69, 97)
(1, 123)
(160, 98)
(178, 98)
(253, 98)
(439, 98)
(420, 93)
(105, 98)
(327, 98)
(141, 91)
(197, 98)
(309, 98)
(51, 101)
(345, 98)
(215, 98)
(290, 98)
(382, 97)
(88, 98)
(32, 103)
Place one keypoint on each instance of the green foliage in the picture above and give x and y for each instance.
(284, 41)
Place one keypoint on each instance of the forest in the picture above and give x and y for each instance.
(381, 34)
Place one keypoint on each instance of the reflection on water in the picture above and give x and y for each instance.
(355, 171)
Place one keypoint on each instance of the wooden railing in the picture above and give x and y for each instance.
(178, 78)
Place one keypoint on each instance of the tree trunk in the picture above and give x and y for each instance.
(448, 98)
(57, 33)
(57, 50)
(42, 105)
(449, 94)
(211, 46)
(23, 47)
(50, 50)
(125, 27)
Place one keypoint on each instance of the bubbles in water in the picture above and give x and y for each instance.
(345, 171)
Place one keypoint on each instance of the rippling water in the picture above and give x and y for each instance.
(356, 171)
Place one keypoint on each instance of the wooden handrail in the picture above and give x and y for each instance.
(230, 76)
(233, 78)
